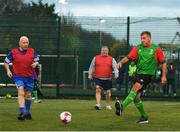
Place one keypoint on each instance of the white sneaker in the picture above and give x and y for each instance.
(97, 107)
(37, 101)
(108, 107)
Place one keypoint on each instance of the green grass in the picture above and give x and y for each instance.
(163, 115)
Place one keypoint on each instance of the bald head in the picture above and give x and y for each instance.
(24, 42)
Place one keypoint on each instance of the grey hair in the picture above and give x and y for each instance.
(23, 37)
(105, 47)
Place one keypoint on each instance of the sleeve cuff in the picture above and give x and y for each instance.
(36, 59)
(129, 58)
(163, 62)
(7, 60)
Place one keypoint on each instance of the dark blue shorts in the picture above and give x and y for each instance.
(105, 84)
(25, 82)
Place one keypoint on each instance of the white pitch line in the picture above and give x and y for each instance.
(172, 104)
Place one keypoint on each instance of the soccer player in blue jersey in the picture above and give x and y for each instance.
(24, 59)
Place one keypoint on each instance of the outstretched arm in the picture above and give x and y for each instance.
(121, 62)
(133, 55)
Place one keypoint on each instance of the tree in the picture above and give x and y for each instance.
(10, 6)
(169, 46)
(38, 9)
(119, 48)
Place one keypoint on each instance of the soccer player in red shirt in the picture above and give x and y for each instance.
(24, 59)
(147, 57)
(100, 71)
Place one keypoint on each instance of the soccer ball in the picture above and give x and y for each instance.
(65, 117)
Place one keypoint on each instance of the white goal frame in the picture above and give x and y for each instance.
(12, 84)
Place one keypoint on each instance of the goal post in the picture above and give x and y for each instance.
(85, 73)
(44, 58)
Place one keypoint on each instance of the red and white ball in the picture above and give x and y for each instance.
(66, 117)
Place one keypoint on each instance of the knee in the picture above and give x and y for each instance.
(28, 95)
(137, 87)
(21, 92)
(136, 100)
(108, 93)
(98, 90)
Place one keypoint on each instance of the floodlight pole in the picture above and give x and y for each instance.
(101, 21)
(62, 2)
(59, 22)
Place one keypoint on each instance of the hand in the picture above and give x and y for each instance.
(119, 65)
(90, 77)
(9, 73)
(163, 80)
(116, 76)
(34, 64)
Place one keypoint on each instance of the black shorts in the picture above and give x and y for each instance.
(131, 79)
(105, 84)
(143, 80)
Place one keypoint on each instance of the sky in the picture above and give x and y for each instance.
(119, 8)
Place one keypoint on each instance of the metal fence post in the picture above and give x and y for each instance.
(58, 56)
(127, 49)
(178, 69)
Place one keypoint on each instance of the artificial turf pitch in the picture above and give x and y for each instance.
(163, 115)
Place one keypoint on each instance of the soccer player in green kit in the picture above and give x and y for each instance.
(147, 57)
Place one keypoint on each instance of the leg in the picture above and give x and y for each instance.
(28, 104)
(129, 83)
(165, 87)
(168, 88)
(131, 96)
(108, 98)
(35, 93)
(98, 97)
(139, 105)
(21, 97)
(21, 103)
(38, 88)
(118, 86)
(173, 88)
(136, 87)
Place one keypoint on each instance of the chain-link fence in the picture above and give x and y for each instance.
(66, 47)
